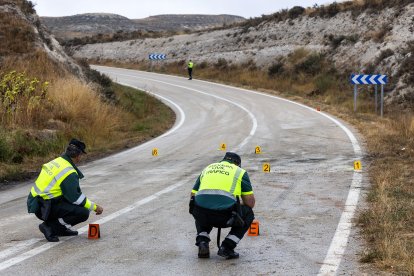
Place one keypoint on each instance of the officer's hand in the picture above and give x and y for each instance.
(99, 209)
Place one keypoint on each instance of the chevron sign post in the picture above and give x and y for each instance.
(370, 79)
(157, 56)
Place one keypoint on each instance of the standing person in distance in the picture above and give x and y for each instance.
(56, 197)
(190, 66)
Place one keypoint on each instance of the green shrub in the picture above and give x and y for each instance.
(295, 12)
(21, 97)
(203, 65)
(276, 68)
(5, 152)
(312, 65)
(324, 82)
(221, 63)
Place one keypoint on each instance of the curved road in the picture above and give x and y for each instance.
(305, 204)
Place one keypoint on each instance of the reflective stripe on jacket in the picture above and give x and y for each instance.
(221, 178)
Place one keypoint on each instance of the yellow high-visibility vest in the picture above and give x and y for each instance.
(222, 178)
(47, 185)
(190, 64)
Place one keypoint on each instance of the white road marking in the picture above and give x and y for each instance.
(252, 117)
(340, 239)
(16, 248)
(38, 250)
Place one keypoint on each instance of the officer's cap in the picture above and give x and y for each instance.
(233, 158)
(78, 145)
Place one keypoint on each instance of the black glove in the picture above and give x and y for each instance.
(191, 205)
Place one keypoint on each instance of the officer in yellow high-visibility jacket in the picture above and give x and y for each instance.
(56, 197)
(190, 66)
(214, 204)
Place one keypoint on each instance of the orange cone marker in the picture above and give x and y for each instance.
(93, 232)
(254, 228)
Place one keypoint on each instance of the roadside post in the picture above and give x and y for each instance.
(156, 57)
(370, 79)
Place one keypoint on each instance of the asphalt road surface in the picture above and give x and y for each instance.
(305, 204)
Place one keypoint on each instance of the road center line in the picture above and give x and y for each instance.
(40, 249)
(340, 239)
(252, 117)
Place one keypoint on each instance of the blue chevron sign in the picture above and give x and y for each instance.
(369, 79)
(157, 56)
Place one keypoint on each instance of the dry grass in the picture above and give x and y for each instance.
(83, 112)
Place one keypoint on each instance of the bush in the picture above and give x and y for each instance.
(5, 152)
(221, 64)
(276, 68)
(21, 98)
(312, 65)
(332, 9)
(203, 65)
(324, 82)
(295, 12)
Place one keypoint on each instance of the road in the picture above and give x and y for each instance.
(305, 204)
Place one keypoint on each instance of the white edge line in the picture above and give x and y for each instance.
(35, 251)
(340, 239)
(17, 247)
(177, 126)
(28, 254)
(252, 117)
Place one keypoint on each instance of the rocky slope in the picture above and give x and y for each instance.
(68, 27)
(371, 42)
(36, 34)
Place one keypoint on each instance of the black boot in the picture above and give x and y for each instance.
(48, 232)
(67, 232)
(203, 250)
(227, 253)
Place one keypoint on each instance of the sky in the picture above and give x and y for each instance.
(135, 9)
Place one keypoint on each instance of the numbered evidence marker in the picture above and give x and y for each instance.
(93, 232)
(357, 165)
(222, 146)
(154, 152)
(257, 150)
(266, 167)
(254, 228)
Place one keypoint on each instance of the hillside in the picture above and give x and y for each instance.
(90, 24)
(371, 41)
(47, 98)
(24, 38)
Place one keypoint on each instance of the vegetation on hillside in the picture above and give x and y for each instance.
(43, 105)
(356, 7)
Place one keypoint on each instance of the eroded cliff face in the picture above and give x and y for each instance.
(24, 27)
(371, 42)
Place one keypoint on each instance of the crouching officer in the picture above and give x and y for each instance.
(214, 203)
(56, 197)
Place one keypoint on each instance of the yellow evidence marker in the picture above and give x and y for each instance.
(357, 165)
(223, 146)
(257, 150)
(154, 152)
(266, 167)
